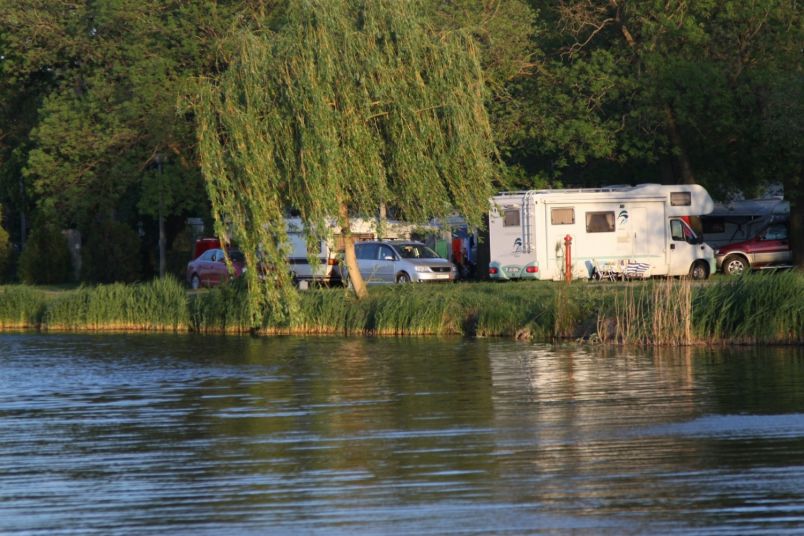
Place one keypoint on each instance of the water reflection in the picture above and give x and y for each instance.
(236, 435)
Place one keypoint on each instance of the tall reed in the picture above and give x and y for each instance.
(754, 308)
(158, 305)
(21, 307)
(223, 309)
(759, 308)
(651, 313)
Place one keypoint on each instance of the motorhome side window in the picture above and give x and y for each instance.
(562, 216)
(680, 199)
(511, 217)
(600, 222)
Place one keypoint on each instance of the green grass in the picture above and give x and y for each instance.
(757, 308)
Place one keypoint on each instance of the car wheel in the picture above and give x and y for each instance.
(402, 278)
(699, 271)
(195, 282)
(735, 265)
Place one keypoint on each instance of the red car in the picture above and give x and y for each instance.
(768, 249)
(210, 269)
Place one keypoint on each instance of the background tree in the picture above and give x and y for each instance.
(669, 91)
(349, 105)
(92, 88)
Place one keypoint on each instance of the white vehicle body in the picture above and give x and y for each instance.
(611, 229)
(323, 265)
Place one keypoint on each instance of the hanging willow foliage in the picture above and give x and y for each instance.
(350, 105)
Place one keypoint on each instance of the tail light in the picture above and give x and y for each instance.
(532, 269)
(492, 270)
(332, 262)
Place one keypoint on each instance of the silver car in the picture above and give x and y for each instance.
(400, 262)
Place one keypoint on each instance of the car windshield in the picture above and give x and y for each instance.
(416, 251)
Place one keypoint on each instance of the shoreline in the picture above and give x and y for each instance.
(758, 309)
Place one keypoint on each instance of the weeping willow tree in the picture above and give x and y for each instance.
(349, 106)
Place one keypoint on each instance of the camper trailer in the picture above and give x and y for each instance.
(615, 232)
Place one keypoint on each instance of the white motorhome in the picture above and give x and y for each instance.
(640, 230)
(325, 268)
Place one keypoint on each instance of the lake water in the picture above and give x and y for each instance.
(153, 434)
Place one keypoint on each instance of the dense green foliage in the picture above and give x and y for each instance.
(578, 92)
(112, 253)
(5, 249)
(88, 120)
(756, 308)
(46, 257)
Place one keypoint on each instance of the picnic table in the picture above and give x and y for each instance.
(621, 270)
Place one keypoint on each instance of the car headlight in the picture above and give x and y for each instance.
(422, 268)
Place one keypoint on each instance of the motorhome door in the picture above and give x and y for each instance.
(681, 247)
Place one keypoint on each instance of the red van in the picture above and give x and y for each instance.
(770, 248)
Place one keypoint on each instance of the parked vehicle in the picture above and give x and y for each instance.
(210, 269)
(324, 268)
(624, 230)
(741, 220)
(770, 248)
(388, 262)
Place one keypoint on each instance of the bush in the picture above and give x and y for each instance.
(111, 253)
(180, 253)
(45, 259)
(5, 250)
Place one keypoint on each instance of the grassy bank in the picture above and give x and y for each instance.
(756, 309)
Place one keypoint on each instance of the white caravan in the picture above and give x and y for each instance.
(325, 268)
(639, 230)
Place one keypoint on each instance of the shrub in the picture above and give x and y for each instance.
(5, 250)
(180, 253)
(111, 253)
(45, 259)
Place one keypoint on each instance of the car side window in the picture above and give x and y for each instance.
(367, 252)
(386, 254)
(776, 232)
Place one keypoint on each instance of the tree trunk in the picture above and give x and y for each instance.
(684, 166)
(355, 278)
(795, 194)
(23, 219)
